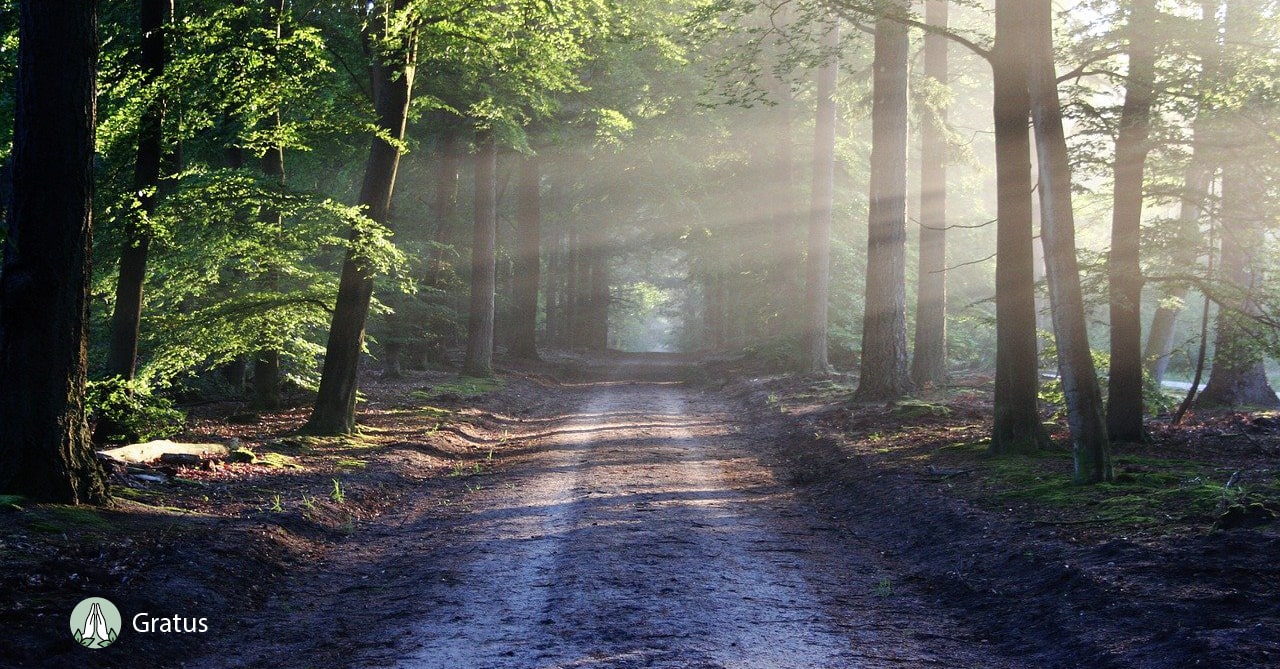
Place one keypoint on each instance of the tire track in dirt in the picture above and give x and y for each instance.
(641, 533)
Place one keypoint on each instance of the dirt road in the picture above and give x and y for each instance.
(638, 531)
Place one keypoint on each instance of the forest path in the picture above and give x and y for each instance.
(639, 530)
(630, 521)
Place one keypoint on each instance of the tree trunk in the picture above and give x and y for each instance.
(484, 261)
(1124, 393)
(598, 325)
(553, 281)
(266, 363)
(1017, 427)
(1090, 446)
(122, 353)
(787, 241)
(422, 354)
(528, 261)
(1237, 378)
(572, 303)
(336, 402)
(818, 261)
(883, 375)
(1197, 180)
(929, 363)
(45, 450)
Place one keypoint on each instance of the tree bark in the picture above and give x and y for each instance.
(929, 363)
(572, 298)
(1124, 395)
(788, 229)
(1197, 180)
(45, 450)
(1090, 445)
(818, 260)
(126, 320)
(484, 261)
(1237, 377)
(336, 402)
(266, 363)
(528, 261)
(597, 326)
(1017, 427)
(883, 375)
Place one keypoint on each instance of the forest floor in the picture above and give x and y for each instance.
(658, 511)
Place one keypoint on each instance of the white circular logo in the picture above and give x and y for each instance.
(95, 623)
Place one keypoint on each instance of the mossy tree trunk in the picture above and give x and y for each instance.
(45, 449)
(1090, 445)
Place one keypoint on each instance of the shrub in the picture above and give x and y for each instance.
(128, 412)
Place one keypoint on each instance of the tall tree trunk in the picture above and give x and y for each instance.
(1195, 189)
(1090, 446)
(1124, 384)
(552, 281)
(1237, 378)
(122, 353)
(392, 83)
(235, 372)
(528, 261)
(1197, 180)
(818, 261)
(484, 260)
(45, 450)
(788, 228)
(266, 363)
(444, 205)
(929, 363)
(598, 325)
(1017, 427)
(883, 376)
(572, 303)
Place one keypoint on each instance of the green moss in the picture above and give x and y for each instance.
(56, 519)
(919, 409)
(278, 460)
(1147, 491)
(125, 492)
(465, 388)
(12, 501)
(311, 445)
(351, 463)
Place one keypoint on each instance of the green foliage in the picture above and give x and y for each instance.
(132, 410)
(228, 281)
(1146, 491)
(338, 495)
(1154, 400)
(776, 354)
